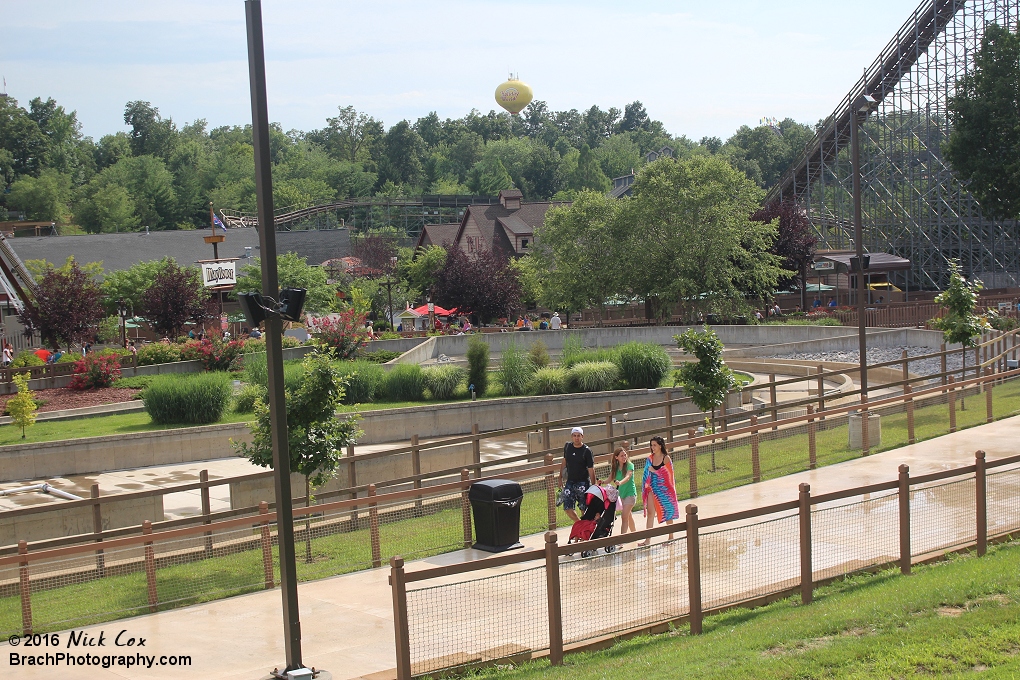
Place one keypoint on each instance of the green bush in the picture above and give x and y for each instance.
(293, 375)
(575, 354)
(194, 399)
(514, 370)
(380, 356)
(364, 380)
(288, 341)
(158, 353)
(137, 382)
(244, 401)
(478, 364)
(593, 376)
(27, 358)
(254, 370)
(643, 364)
(573, 346)
(538, 354)
(443, 381)
(549, 380)
(1003, 323)
(404, 382)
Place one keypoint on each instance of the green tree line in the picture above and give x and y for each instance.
(163, 175)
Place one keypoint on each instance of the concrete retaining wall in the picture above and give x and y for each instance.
(74, 521)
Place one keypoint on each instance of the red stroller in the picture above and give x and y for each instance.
(598, 518)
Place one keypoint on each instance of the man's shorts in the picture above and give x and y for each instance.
(574, 494)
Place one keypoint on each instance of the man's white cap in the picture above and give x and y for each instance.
(577, 430)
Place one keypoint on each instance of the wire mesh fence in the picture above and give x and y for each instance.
(942, 516)
(610, 593)
(746, 562)
(477, 620)
(1002, 498)
(851, 536)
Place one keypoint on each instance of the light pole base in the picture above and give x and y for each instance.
(874, 430)
(298, 674)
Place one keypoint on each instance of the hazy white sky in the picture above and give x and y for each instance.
(703, 68)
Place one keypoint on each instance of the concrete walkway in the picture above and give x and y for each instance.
(347, 620)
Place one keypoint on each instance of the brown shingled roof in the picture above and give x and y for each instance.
(525, 218)
(438, 234)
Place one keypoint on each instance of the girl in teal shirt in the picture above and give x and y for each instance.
(622, 476)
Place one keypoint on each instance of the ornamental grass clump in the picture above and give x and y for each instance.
(246, 398)
(478, 364)
(193, 399)
(549, 380)
(538, 355)
(364, 380)
(643, 365)
(404, 382)
(442, 381)
(515, 370)
(593, 376)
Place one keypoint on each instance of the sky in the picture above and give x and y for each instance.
(703, 68)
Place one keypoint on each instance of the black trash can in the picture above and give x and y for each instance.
(496, 508)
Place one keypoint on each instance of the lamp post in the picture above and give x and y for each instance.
(122, 313)
(862, 106)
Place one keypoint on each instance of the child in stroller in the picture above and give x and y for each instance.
(598, 518)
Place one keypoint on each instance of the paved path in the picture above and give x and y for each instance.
(347, 620)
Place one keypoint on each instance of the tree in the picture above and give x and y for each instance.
(579, 250)
(349, 134)
(795, 241)
(151, 134)
(483, 284)
(294, 272)
(175, 297)
(375, 249)
(42, 198)
(422, 271)
(985, 115)
(960, 324)
(708, 380)
(108, 209)
(67, 307)
(131, 283)
(22, 407)
(316, 436)
(691, 238)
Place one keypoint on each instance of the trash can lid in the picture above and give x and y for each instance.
(495, 490)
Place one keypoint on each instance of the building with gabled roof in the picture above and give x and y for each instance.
(508, 226)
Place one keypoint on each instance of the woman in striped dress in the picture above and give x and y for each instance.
(659, 487)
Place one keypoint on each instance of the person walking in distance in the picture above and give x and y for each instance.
(577, 473)
(622, 477)
(658, 487)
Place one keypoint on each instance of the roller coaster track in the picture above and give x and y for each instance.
(15, 280)
(285, 218)
(913, 204)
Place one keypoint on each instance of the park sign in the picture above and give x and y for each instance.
(218, 273)
(824, 266)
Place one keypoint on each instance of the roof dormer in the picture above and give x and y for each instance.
(510, 199)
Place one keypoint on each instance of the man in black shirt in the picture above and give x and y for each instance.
(577, 472)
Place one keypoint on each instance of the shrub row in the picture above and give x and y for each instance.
(192, 398)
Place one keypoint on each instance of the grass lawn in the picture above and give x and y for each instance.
(953, 618)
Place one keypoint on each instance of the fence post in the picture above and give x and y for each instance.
(977, 363)
(546, 444)
(352, 481)
(669, 415)
(755, 456)
(812, 447)
(772, 399)
(550, 492)
(982, 506)
(989, 412)
(952, 405)
(821, 392)
(97, 529)
(694, 568)
(552, 589)
(203, 477)
(806, 573)
(942, 359)
(904, 502)
(692, 465)
(401, 634)
(906, 370)
(609, 427)
(26, 590)
(465, 507)
(416, 472)
(150, 567)
(373, 527)
(476, 449)
(267, 546)
(910, 414)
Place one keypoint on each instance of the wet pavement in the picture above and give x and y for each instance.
(347, 620)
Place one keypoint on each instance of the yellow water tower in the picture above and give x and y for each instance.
(513, 95)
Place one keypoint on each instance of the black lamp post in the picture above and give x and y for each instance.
(122, 313)
(862, 106)
(389, 293)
